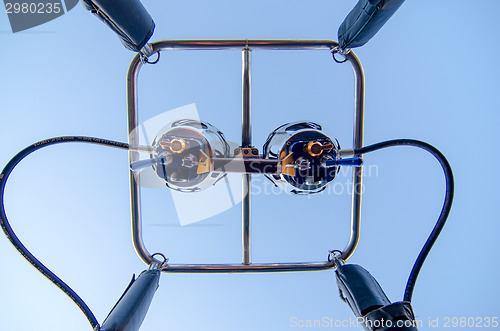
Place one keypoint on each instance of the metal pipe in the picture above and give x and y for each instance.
(246, 127)
(241, 268)
(133, 140)
(357, 172)
(246, 141)
(239, 44)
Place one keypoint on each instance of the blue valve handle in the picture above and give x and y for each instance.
(354, 162)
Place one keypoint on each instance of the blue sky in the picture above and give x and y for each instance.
(430, 75)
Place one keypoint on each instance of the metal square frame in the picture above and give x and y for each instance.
(246, 46)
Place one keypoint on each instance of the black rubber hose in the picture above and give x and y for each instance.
(88, 313)
(445, 211)
(15, 240)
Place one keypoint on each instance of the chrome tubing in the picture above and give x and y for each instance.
(357, 172)
(241, 268)
(246, 141)
(133, 140)
(245, 45)
(246, 127)
(164, 45)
